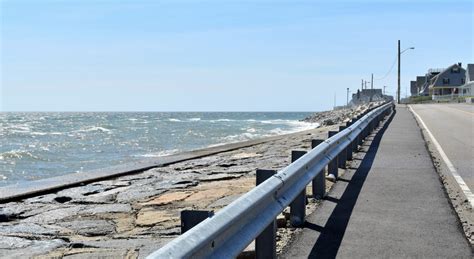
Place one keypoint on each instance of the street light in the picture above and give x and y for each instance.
(347, 98)
(399, 55)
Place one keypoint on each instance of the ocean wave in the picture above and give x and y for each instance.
(241, 137)
(250, 133)
(46, 133)
(17, 154)
(222, 120)
(94, 128)
(160, 153)
(174, 120)
(195, 119)
(22, 129)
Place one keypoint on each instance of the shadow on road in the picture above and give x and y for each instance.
(332, 233)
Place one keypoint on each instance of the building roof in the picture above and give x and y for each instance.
(437, 77)
(470, 72)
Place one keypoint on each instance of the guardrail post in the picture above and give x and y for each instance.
(343, 155)
(349, 150)
(190, 218)
(355, 144)
(319, 182)
(332, 166)
(298, 205)
(265, 243)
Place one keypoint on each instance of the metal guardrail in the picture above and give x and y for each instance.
(234, 227)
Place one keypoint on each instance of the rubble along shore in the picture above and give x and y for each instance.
(131, 216)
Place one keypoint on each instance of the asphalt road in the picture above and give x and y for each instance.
(453, 127)
(392, 206)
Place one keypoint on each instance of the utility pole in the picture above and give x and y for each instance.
(362, 85)
(365, 84)
(372, 82)
(384, 89)
(347, 101)
(399, 55)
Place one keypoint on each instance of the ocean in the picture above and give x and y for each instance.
(41, 145)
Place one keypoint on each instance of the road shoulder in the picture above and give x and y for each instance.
(457, 198)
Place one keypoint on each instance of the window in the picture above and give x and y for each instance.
(445, 81)
(463, 81)
(455, 70)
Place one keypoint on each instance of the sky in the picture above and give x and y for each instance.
(105, 55)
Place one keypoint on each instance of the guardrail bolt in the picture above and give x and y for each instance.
(298, 205)
(190, 218)
(332, 166)
(265, 243)
(319, 182)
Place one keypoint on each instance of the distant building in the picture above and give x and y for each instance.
(368, 95)
(413, 88)
(420, 82)
(468, 88)
(448, 81)
(423, 82)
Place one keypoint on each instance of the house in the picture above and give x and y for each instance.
(423, 82)
(413, 88)
(368, 95)
(447, 82)
(468, 88)
(420, 82)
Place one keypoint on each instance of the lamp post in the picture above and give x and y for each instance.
(399, 56)
(347, 101)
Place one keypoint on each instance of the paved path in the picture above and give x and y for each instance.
(453, 127)
(392, 206)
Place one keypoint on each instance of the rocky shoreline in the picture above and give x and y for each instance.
(328, 118)
(131, 216)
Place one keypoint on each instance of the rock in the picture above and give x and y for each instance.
(328, 122)
(224, 201)
(7, 242)
(48, 198)
(209, 195)
(331, 178)
(138, 193)
(107, 208)
(233, 170)
(54, 215)
(105, 197)
(83, 190)
(167, 198)
(89, 227)
(240, 156)
(150, 217)
(219, 177)
(14, 247)
(27, 228)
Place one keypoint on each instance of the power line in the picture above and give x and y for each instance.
(390, 70)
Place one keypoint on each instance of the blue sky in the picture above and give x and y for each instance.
(218, 55)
